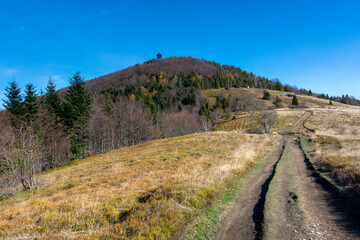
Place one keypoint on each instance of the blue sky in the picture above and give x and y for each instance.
(310, 44)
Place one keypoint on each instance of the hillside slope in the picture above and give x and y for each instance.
(143, 192)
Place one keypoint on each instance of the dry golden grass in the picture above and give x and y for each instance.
(147, 191)
(306, 101)
(242, 121)
(246, 121)
(336, 142)
(287, 118)
(337, 129)
(211, 94)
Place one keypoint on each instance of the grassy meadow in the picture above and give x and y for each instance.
(149, 191)
(335, 144)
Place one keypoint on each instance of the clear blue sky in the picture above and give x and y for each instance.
(310, 44)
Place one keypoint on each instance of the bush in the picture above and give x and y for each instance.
(277, 101)
(266, 95)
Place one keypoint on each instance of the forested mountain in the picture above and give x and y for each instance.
(157, 99)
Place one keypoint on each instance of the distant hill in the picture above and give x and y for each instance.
(163, 98)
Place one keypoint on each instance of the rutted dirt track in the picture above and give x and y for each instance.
(288, 200)
(300, 122)
(246, 215)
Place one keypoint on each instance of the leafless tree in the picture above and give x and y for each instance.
(55, 142)
(180, 123)
(244, 102)
(134, 123)
(129, 123)
(21, 156)
(205, 124)
(216, 115)
(267, 120)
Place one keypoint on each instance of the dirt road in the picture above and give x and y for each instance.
(300, 123)
(288, 200)
(245, 217)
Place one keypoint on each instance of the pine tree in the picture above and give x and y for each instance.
(52, 99)
(76, 115)
(13, 103)
(108, 104)
(277, 101)
(295, 101)
(266, 95)
(31, 105)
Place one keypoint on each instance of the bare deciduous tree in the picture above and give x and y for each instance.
(180, 123)
(206, 124)
(21, 156)
(55, 142)
(130, 123)
(267, 120)
(216, 115)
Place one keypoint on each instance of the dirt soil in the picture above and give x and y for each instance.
(327, 213)
(245, 217)
(284, 219)
(324, 214)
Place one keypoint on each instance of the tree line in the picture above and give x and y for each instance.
(43, 132)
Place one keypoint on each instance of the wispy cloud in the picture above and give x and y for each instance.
(6, 72)
(18, 30)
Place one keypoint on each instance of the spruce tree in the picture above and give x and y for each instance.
(277, 101)
(108, 105)
(76, 115)
(52, 99)
(31, 105)
(266, 95)
(13, 103)
(295, 101)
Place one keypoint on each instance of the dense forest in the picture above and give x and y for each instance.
(160, 98)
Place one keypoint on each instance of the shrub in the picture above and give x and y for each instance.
(266, 95)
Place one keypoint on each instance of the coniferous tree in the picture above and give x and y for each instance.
(295, 101)
(13, 103)
(277, 101)
(76, 115)
(266, 95)
(31, 105)
(108, 105)
(52, 99)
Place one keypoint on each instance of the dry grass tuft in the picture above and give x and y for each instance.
(147, 191)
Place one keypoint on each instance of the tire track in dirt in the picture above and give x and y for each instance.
(302, 206)
(310, 210)
(326, 211)
(300, 123)
(283, 217)
(245, 217)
